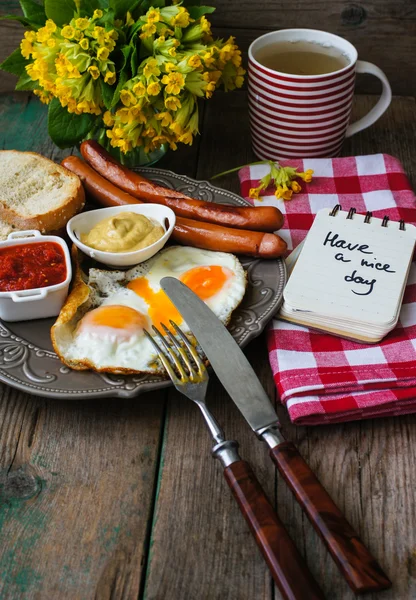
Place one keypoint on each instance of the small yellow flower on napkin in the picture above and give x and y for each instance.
(282, 178)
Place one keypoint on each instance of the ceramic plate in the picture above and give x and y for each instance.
(28, 362)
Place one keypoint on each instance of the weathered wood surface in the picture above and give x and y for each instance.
(117, 500)
(384, 32)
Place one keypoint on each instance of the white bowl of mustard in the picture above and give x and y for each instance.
(122, 236)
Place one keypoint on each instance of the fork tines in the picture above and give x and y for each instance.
(178, 356)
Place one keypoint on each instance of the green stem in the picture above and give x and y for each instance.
(260, 162)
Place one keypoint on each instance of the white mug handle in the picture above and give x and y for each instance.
(382, 105)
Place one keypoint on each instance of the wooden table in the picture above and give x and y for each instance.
(119, 499)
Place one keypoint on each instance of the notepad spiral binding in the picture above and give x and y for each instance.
(367, 218)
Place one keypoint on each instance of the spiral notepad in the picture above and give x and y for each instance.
(351, 275)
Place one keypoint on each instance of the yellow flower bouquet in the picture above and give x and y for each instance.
(126, 72)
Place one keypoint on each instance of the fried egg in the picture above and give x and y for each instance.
(106, 331)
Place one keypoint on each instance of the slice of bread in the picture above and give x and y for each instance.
(36, 193)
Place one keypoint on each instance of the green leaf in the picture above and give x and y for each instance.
(134, 62)
(197, 12)
(107, 93)
(87, 7)
(141, 9)
(22, 20)
(15, 63)
(67, 129)
(126, 50)
(33, 11)
(121, 81)
(25, 83)
(60, 11)
(121, 7)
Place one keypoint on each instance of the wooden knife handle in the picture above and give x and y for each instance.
(288, 569)
(355, 562)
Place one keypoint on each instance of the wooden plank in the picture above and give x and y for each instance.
(76, 485)
(200, 546)
(77, 479)
(371, 26)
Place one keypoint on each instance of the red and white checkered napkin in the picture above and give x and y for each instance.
(322, 378)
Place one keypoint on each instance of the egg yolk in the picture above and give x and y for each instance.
(205, 282)
(161, 309)
(122, 320)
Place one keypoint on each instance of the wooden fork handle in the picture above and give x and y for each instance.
(287, 567)
(355, 562)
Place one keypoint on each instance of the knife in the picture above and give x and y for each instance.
(357, 565)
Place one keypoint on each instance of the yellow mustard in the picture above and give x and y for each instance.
(125, 232)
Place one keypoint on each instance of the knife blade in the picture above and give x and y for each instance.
(229, 363)
(357, 565)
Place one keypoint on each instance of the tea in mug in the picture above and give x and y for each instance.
(301, 58)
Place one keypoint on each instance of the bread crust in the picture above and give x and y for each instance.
(52, 220)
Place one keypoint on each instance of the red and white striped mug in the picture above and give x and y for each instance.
(306, 115)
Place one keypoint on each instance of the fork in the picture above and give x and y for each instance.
(190, 377)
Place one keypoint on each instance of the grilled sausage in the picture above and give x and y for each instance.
(186, 231)
(263, 218)
(226, 239)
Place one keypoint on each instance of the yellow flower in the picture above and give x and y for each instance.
(78, 35)
(186, 138)
(194, 61)
(182, 19)
(172, 103)
(208, 58)
(165, 118)
(67, 32)
(50, 25)
(43, 34)
(139, 89)
(306, 176)
(169, 67)
(108, 119)
(82, 23)
(98, 33)
(127, 97)
(103, 53)
(113, 34)
(282, 191)
(295, 187)
(129, 19)
(205, 25)
(239, 79)
(110, 77)
(148, 29)
(97, 14)
(51, 43)
(254, 193)
(94, 71)
(151, 68)
(153, 15)
(26, 48)
(172, 52)
(84, 43)
(174, 83)
(153, 88)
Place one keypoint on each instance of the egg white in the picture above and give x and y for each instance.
(103, 349)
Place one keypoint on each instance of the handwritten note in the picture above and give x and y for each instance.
(350, 268)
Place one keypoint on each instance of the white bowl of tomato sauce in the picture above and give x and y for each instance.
(35, 273)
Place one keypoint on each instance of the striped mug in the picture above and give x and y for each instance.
(306, 115)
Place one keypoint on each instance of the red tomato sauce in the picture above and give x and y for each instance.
(29, 266)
